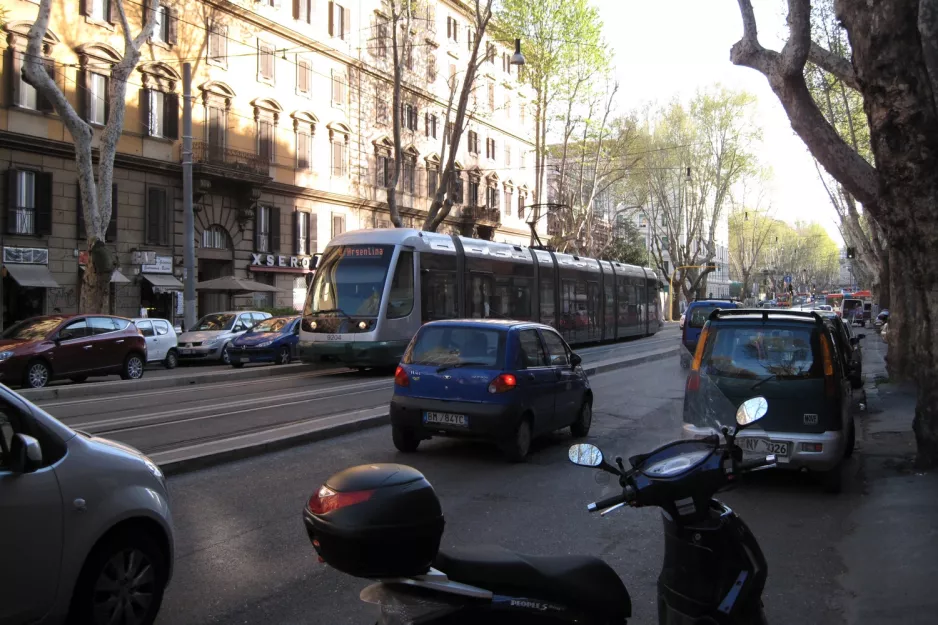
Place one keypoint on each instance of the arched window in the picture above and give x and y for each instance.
(216, 237)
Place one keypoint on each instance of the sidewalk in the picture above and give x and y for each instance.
(891, 556)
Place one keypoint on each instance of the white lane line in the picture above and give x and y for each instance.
(191, 387)
(257, 403)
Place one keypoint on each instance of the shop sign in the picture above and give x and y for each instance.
(26, 255)
(261, 261)
(161, 264)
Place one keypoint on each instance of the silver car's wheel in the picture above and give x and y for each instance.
(37, 375)
(225, 356)
(124, 589)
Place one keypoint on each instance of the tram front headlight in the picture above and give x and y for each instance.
(362, 325)
(313, 325)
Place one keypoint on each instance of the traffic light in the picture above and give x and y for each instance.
(851, 253)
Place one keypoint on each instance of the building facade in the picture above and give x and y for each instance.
(291, 145)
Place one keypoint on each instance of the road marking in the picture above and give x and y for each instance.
(256, 404)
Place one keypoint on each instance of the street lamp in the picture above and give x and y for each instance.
(517, 58)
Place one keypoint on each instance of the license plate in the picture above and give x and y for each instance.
(245, 359)
(761, 447)
(186, 352)
(445, 418)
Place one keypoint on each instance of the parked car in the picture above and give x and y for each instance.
(209, 337)
(851, 310)
(161, 341)
(790, 358)
(848, 346)
(881, 319)
(697, 313)
(41, 349)
(272, 340)
(503, 381)
(86, 528)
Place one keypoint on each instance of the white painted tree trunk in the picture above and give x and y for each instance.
(94, 187)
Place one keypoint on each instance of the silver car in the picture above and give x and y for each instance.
(85, 526)
(209, 338)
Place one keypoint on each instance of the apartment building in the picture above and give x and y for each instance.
(291, 138)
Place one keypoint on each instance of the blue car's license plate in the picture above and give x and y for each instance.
(446, 418)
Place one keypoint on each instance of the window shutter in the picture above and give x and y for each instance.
(154, 215)
(111, 234)
(113, 16)
(11, 200)
(43, 103)
(296, 232)
(346, 23)
(145, 111)
(332, 17)
(87, 6)
(311, 236)
(14, 61)
(275, 229)
(84, 78)
(171, 116)
(172, 28)
(43, 203)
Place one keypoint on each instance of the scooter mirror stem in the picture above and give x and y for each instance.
(609, 468)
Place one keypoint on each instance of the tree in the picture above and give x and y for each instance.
(450, 188)
(558, 35)
(697, 153)
(842, 106)
(94, 186)
(750, 230)
(894, 66)
(628, 246)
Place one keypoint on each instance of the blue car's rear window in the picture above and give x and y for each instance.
(453, 345)
(699, 316)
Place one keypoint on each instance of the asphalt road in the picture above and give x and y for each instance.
(242, 555)
(159, 420)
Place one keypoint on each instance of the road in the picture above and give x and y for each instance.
(242, 555)
(160, 420)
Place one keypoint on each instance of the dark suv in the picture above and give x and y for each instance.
(35, 351)
(794, 360)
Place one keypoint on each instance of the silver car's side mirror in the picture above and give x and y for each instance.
(585, 455)
(751, 411)
(25, 454)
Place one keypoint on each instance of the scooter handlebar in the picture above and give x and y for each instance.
(627, 494)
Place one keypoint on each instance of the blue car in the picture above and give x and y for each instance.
(271, 340)
(695, 317)
(502, 381)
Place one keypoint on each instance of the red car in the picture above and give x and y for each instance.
(35, 351)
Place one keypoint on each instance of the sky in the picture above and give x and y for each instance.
(671, 48)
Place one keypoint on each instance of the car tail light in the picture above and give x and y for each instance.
(814, 447)
(693, 382)
(326, 500)
(830, 384)
(504, 382)
(701, 344)
(400, 377)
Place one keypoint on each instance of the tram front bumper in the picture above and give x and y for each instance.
(354, 353)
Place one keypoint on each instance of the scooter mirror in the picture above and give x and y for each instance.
(586, 455)
(751, 410)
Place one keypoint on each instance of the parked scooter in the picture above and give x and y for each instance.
(881, 320)
(384, 522)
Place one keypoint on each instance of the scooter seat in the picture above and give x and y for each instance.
(582, 582)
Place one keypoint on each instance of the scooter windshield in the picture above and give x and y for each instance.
(676, 458)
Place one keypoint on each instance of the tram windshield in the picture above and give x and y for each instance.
(350, 280)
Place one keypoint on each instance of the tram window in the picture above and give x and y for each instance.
(592, 292)
(547, 298)
(520, 305)
(481, 296)
(439, 295)
(501, 303)
(401, 302)
(610, 294)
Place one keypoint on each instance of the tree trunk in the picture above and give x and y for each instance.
(95, 289)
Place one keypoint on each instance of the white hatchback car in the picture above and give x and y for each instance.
(85, 526)
(161, 341)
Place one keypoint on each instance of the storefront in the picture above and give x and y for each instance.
(26, 278)
(288, 273)
(160, 290)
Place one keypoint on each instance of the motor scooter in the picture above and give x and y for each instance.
(384, 522)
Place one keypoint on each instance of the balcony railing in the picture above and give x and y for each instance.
(210, 154)
(484, 214)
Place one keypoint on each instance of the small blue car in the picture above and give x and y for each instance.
(272, 340)
(695, 317)
(503, 381)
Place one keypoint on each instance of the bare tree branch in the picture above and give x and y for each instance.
(834, 64)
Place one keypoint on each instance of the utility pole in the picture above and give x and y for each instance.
(187, 215)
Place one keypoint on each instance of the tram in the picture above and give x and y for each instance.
(374, 288)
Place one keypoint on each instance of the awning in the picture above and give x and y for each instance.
(32, 275)
(237, 285)
(118, 278)
(165, 281)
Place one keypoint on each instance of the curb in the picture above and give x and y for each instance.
(73, 391)
(205, 455)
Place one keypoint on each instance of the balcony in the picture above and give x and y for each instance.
(482, 215)
(215, 161)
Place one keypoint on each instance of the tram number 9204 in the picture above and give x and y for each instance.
(333, 337)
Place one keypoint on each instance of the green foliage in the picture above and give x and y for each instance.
(628, 246)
